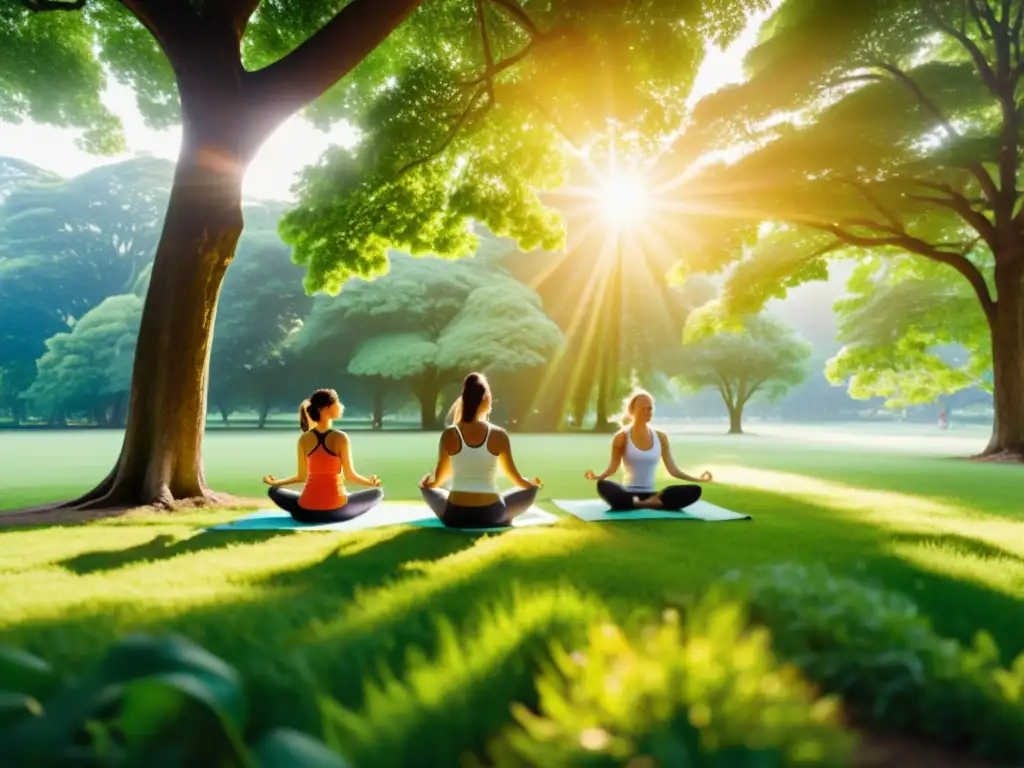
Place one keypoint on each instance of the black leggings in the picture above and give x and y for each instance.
(674, 497)
(496, 515)
(358, 503)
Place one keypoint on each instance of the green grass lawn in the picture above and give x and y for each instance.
(339, 610)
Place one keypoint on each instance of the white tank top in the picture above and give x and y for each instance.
(474, 468)
(640, 467)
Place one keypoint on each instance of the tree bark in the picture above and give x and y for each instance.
(224, 414)
(735, 419)
(427, 392)
(161, 460)
(1007, 326)
(264, 412)
(378, 407)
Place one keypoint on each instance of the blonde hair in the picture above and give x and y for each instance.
(626, 416)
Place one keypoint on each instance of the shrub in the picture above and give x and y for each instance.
(152, 701)
(707, 692)
(883, 658)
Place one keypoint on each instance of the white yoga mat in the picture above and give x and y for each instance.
(596, 511)
(385, 513)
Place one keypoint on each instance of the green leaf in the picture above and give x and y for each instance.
(15, 706)
(285, 748)
(21, 672)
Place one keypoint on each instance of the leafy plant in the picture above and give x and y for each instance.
(157, 701)
(704, 691)
(873, 648)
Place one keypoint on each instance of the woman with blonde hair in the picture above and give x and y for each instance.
(470, 453)
(324, 463)
(640, 449)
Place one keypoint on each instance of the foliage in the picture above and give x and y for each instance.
(428, 322)
(877, 651)
(152, 700)
(874, 127)
(465, 113)
(87, 365)
(760, 356)
(899, 328)
(66, 245)
(704, 690)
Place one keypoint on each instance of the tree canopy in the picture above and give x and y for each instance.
(762, 356)
(884, 126)
(912, 332)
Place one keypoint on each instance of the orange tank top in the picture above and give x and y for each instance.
(323, 469)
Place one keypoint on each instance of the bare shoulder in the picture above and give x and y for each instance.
(450, 440)
(339, 439)
(619, 439)
(662, 438)
(307, 440)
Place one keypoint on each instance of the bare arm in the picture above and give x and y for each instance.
(508, 464)
(443, 469)
(300, 473)
(670, 464)
(344, 450)
(618, 448)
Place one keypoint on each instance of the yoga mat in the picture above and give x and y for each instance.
(597, 511)
(385, 513)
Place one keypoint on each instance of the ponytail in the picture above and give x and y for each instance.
(467, 406)
(310, 410)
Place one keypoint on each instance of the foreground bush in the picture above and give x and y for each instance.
(883, 658)
(152, 702)
(704, 692)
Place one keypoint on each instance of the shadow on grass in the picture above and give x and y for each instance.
(957, 543)
(342, 619)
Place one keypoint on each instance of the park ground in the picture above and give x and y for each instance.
(457, 617)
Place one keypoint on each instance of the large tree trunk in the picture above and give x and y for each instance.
(161, 458)
(1007, 325)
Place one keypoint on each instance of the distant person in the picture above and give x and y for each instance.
(470, 453)
(325, 462)
(943, 419)
(640, 449)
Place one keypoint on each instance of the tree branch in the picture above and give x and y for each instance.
(43, 6)
(988, 76)
(502, 65)
(958, 203)
(236, 14)
(986, 32)
(988, 186)
(173, 23)
(753, 390)
(866, 192)
(463, 118)
(957, 261)
(488, 55)
(302, 76)
(521, 17)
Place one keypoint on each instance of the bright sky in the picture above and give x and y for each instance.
(295, 145)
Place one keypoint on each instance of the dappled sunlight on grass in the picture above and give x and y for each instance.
(963, 559)
(427, 579)
(461, 689)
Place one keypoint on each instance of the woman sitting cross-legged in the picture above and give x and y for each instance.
(640, 449)
(325, 462)
(470, 454)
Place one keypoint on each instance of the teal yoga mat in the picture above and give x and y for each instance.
(597, 511)
(385, 513)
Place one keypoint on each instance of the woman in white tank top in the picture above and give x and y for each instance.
(470, 454)
(640, 449)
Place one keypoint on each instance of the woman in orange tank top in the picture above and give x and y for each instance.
(324, 463)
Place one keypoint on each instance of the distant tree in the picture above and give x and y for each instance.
(427, 323)
(83, 370)
(65, 246)
(763, 356)
(261, 308)
(892, 128)
(912, 332)
(15, 172)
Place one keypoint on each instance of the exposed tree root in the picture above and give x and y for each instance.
(104, 507)
(1000, 457)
